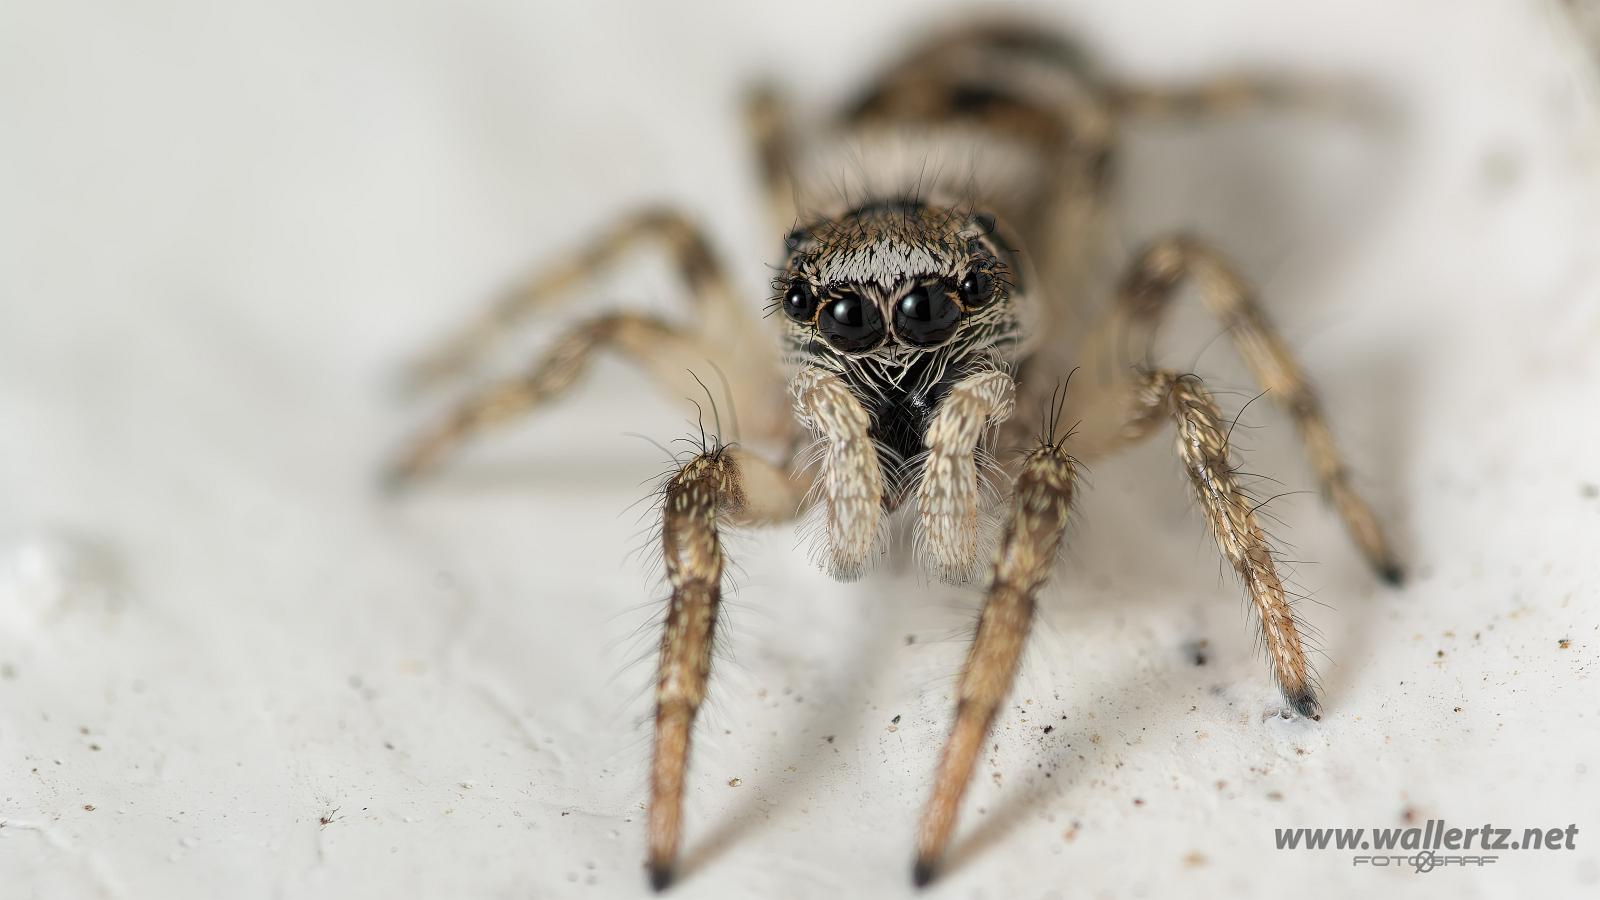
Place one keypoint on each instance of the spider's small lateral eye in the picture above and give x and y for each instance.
(977, 288)
(851, 324)
(800, 301)
(926, 316)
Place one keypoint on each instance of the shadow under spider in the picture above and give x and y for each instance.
(842, 716)
(1032, 797)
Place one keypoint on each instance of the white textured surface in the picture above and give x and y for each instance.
(227, 669)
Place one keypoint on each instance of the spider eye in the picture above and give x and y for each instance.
(926, 316)
(800, 303)
(977, 288)
(851, 324)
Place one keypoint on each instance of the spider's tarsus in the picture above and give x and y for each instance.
(922, 873)
(661, 876)
(1392, 574)
(1305, 703)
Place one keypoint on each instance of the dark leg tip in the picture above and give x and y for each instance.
(922, 873)
(1305, 703)
(660, 876)
(1393, 575)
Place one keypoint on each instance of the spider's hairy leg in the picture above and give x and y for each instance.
(720, 485)
(947, 497)
(1040, 505)
(850, 481)
(1202, 445)
(1240, 93)
(691, 252)
(663, 349)
(766, 118)
(1147, 292)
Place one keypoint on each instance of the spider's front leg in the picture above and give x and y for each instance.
(948, 496)
(1040, 504)
(1202, 445)
(849, 477)
(723, 484)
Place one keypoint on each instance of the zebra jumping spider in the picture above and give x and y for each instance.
(932, 297)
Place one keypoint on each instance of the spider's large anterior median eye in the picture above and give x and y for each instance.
(977, 288)
(851, 324)
(926, 316)
(800, 302)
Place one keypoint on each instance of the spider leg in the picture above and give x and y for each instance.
(766, 116)
(665, 350)
(1234, 94)
(1147, 292)
(691, 252)
(722, 485)
(947, 495)
(1043, 494)
(849, 478)
(1202, 445)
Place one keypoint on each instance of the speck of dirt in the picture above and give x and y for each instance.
(910, 639)
(1138, 801)
(1198, 651)
(1049, 728)
(1408, 815)
(829, 738)
(734, 782)
(95, 747)
(566, 812)
(1457, 709)
(1438, 654)
(895, 720)
(1564, 643)
(1195, 859)
(1299, 751)
(1221, 785)
(1274, 795)
(88, 807)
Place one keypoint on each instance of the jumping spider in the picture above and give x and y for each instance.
(937, 282)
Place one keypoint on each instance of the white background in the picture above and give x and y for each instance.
(229, 668)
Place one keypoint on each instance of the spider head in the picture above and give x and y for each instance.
(895, 279)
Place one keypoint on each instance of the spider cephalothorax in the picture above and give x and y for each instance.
(892, 279)
(902, 299)
(911, 331)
